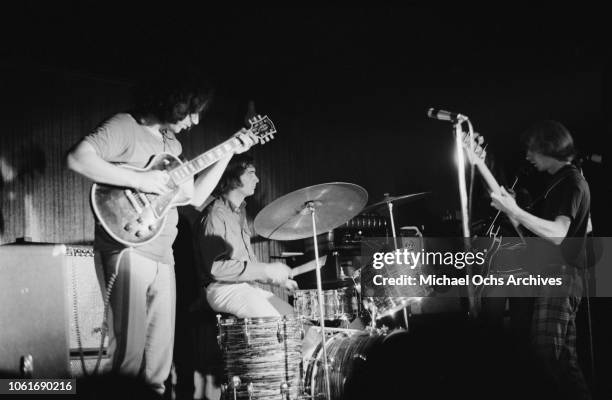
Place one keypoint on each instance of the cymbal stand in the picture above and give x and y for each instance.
(312, 208)
(390, 205)
(395, 247)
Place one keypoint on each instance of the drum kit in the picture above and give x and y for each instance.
(288, 357)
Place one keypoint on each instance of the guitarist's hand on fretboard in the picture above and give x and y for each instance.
(247, 139)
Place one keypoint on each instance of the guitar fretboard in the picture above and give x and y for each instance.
(185, 171)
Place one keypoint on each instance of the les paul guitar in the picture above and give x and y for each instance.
(134, 218)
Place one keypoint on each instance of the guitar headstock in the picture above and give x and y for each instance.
(263, 128)
(474, 149)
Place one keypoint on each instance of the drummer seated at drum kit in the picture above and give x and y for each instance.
(228, 264)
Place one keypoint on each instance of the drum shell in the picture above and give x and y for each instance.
(262, 352)
(339, 304)
(348, 352)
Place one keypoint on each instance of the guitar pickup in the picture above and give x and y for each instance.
(132, 199)
(143, 198)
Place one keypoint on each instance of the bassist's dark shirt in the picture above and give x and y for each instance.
(567, 194)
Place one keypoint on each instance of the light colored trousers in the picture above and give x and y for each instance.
(246, 301)
(141, 316)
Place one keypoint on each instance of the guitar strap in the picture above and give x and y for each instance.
(564, 175)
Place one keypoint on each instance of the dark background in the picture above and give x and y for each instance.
(347, 87)
(353, 84)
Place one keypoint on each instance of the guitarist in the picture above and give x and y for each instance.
(227, 261)
(560, 217)
(142, 300)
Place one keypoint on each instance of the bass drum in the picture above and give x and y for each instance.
(348, 352)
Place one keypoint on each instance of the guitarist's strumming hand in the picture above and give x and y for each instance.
(152, 182)
(505, 202)
(247, 139)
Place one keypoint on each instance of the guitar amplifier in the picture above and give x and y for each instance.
(34, 317)
(44, 289)
(86, 299)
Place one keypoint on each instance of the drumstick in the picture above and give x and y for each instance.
(309, 266)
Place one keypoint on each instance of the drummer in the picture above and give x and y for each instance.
(228, 266)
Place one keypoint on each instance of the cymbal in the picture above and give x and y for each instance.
(289, 216)
(397, 200)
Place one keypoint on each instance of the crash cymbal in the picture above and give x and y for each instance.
(289, 217)
(396, 200)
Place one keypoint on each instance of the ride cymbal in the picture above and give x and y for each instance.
(289, 217)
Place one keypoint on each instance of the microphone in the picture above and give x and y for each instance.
(443, 115)
(595, 158)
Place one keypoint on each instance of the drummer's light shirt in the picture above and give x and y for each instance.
(225, 251)
(225, 245)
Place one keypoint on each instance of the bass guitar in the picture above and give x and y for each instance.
(504, 255)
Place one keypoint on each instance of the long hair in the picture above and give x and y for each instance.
(230, 179)
(172, 95)
(550, 138)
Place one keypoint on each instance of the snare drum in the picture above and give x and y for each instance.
(339, 304)
(348, 351)
(262, 357)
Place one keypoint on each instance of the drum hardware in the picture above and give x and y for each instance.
(286, 218)
(236, 382)
(250, 390)
(388, 202)
(280, 335)
(220, 334)
(284, 389)
(247, 335)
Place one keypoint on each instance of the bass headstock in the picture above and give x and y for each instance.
(474, 148)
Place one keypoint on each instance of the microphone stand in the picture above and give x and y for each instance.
(465, 218)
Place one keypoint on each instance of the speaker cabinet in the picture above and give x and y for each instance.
(34, 318)
(45, 290)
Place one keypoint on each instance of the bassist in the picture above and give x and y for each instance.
(560, 218)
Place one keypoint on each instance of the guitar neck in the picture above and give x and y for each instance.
(495, 188)
(187, 170)
(486, 174)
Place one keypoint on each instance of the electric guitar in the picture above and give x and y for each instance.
(134, 218)
(476, 155)
(503, 255)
